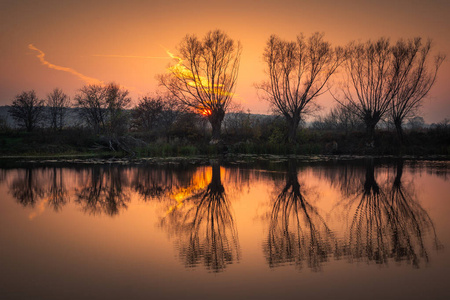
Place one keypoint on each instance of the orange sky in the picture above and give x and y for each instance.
(125, 41)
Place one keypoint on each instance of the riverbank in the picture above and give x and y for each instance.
(73, 143)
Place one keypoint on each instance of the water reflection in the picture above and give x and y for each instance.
(103, 190)
(153, 183)
(387, 222)
(203, 223)
(297, 231)
(383, 218)
(26, 189)
(57, 192)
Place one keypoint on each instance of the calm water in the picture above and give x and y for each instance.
(360, 229)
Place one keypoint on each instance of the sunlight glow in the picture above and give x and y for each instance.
(197, 81)
(39, 211)
(200, 181)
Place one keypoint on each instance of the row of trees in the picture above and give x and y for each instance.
(28, 110)
(379, 79)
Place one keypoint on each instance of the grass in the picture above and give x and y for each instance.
(82, 143)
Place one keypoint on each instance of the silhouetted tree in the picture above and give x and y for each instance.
(205, 75)
(102, 107)
(155, 114)
(416, 78)
(117, 101)
(27, 110)
(370, 85)
(298, 73)
(57, 104)
(91, 100)
(147, 113)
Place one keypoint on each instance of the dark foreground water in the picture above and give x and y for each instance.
(359, 229)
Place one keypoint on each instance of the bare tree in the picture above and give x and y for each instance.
(27, 110)
(204, 77)
(147, 113)
(57, 103)
(102, 107)
(155, 114)
(117, 101)
(298, 73)
(92, 104)
(415, 79)
(371, 82)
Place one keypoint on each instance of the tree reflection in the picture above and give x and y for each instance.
(44, 186)
(152, 182)
(57, 192)
(409, 223)
(387, 223)
(27, 189)
(147, 186)
(205, 226)
(297, 231)
(104, 191)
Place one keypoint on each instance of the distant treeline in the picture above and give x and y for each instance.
(171, 132)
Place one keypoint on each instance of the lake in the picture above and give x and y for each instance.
(274, 228)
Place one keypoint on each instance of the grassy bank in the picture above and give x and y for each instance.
(82, 143)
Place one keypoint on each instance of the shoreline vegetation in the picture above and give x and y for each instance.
(83, 144)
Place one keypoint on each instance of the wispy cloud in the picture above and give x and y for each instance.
(87, 79)
(131, 56)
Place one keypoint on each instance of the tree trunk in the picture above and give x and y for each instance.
(399, 129)
(292, 129)
(215, 119)
(371, 122)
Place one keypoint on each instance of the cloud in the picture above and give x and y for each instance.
(131, 56)
(87, 79)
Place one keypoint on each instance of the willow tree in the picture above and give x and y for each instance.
(417, 75)
(371, 82)
(204, 76)
(298, 73)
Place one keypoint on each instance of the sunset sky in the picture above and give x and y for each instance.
(52, 43)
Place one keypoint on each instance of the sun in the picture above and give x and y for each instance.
(205, 112)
